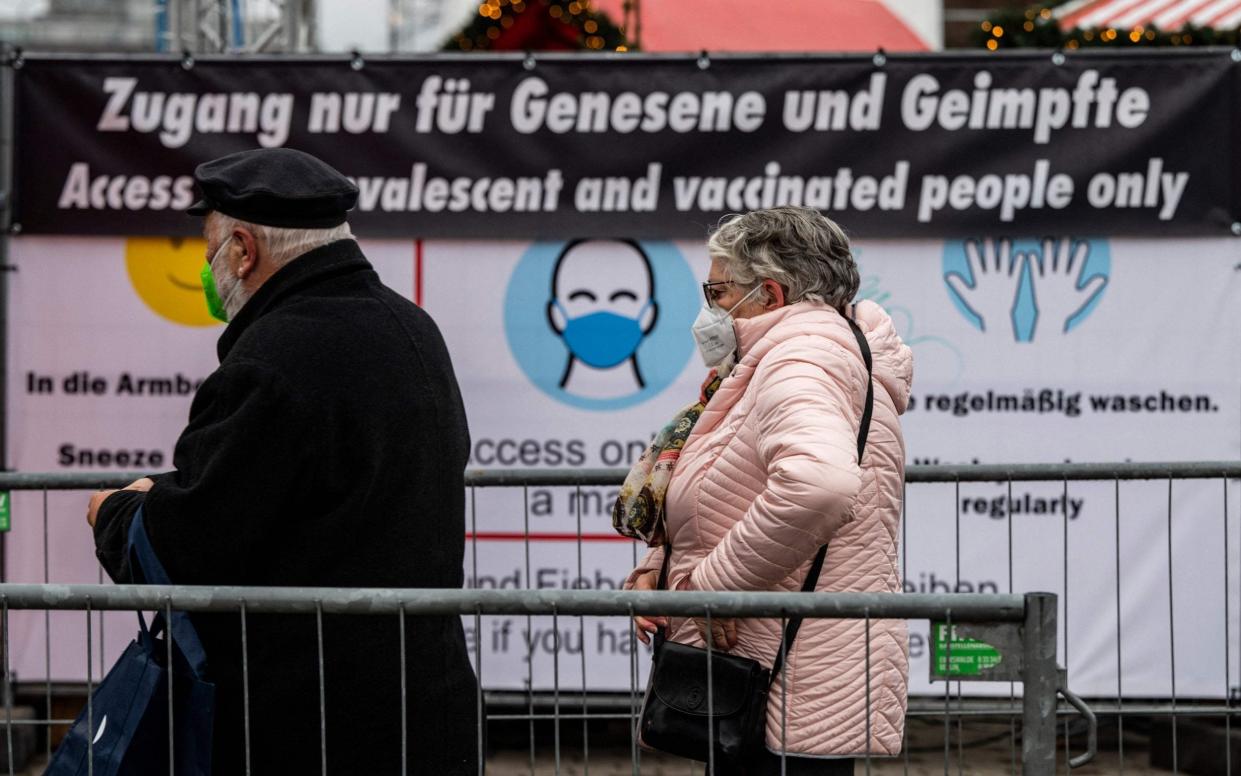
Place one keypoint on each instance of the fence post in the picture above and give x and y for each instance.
(1038, 727)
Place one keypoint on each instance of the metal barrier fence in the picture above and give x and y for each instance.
(538, 704)
(1031, 620)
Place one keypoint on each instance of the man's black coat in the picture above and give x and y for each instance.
(328, 449)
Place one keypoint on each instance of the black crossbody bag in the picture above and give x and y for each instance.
(678, 717)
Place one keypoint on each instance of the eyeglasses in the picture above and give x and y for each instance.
(710, 294)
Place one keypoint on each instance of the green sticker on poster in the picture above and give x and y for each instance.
(968, 657)
(4, 511)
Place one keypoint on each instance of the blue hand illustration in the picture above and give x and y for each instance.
(1060, 291)
(995, 275)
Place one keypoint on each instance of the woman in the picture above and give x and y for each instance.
(770, 472)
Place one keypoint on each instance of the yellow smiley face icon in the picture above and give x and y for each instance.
(165, 273)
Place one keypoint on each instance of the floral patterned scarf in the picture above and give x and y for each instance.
(639, 510)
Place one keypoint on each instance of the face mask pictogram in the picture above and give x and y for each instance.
(603, 339)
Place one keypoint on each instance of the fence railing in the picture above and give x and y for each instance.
(1033, 615)
(918, 473)
(945, 487)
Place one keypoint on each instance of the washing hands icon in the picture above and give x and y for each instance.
(1028, 289)
(1060, 289)
(991, 291)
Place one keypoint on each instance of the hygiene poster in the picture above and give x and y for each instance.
(1043, 349)
(110, 338)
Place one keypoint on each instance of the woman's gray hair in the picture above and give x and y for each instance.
(798, 247)
(283, 245)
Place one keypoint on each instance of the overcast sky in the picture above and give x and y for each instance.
(345, 25)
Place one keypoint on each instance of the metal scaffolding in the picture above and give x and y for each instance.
(198, 27)
(235, 26)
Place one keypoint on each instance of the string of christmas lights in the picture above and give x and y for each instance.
(1037, 27)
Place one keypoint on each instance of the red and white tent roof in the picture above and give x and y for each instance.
(1164, 14)
(804, 25)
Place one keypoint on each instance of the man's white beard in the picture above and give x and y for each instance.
(234, 297)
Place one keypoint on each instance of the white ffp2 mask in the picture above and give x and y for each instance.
(714, 332)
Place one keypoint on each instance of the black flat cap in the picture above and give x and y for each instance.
(275, 187)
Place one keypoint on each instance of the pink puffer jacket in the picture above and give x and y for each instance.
(768, 475)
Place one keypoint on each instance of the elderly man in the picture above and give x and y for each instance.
(327, 449)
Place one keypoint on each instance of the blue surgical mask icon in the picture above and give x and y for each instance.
(603, 339)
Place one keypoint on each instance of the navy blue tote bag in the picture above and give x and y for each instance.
(125, 730)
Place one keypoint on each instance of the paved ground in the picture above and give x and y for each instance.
(976, 764)
(986, 750)
(614, 763)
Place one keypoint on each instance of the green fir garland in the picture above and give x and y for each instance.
(594, 30)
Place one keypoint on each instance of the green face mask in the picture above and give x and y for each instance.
(215, 305)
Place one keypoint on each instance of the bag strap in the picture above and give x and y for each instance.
(812, 578)
(816, 567)
(180, 629)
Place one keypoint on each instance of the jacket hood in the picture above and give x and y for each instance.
(892, 359)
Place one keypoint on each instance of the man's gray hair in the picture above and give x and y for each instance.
(283, 245)
(798, 247)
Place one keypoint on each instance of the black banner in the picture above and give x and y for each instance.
(910, 146)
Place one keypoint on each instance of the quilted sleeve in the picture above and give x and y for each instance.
(653, 559)
(807, 428)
